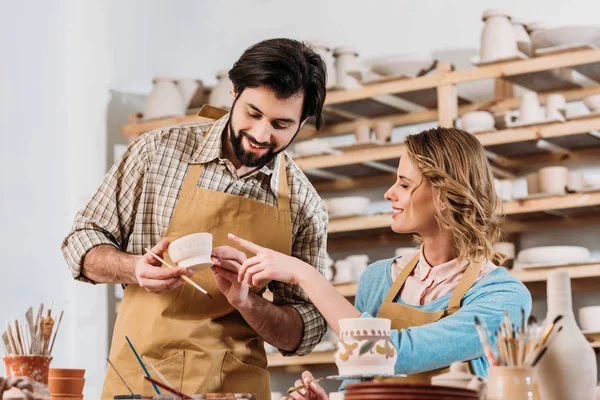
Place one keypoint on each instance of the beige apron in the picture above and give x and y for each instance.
(200, 345)
(404, 316)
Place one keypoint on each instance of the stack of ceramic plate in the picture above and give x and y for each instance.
(406, 391)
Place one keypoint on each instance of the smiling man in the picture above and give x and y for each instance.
(229, 175)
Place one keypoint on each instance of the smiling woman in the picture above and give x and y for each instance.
(444, 194)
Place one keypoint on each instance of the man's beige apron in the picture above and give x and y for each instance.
(200, 345)
(404, 316)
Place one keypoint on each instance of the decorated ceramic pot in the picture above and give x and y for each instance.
(365, 347)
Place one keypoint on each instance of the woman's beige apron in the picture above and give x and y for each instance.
(200, 345)
(404, 316)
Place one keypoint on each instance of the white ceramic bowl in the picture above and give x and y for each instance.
(399, 66)
(591, 180)
(589, 318)
(192, 251)
(347, 206)
(477, 121)
(592, 102)
(566, 36)
(365, 347)
(312, 146)
(553, 255)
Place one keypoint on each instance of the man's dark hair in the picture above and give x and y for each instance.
(287, 67)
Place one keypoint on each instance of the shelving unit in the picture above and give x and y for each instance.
(407, 101)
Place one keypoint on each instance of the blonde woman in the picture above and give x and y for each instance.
(444, 193)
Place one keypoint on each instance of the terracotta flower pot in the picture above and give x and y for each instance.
(66, 373)
(66, 385)
(34, 367)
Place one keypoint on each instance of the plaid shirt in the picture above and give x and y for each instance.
(133, 206)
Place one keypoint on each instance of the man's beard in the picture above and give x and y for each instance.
(248, 158)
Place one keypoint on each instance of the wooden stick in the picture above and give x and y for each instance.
(11, 339)
(7, 345)
(185, 278)
(303, 386)
(31, 326)
(55, 332)
(120, 377)
(18, 339)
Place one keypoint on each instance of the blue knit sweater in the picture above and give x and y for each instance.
(453, 338)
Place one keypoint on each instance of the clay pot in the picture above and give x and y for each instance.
(33, 367)
(66, 373)
(511, 383)
(165, 100)
(62, 386)
(554, 179)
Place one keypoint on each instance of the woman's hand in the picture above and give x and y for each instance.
(269, 265)
(313, 392)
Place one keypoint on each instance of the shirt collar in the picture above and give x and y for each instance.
(439, 273)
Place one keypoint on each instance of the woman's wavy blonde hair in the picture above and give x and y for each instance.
(455, 164)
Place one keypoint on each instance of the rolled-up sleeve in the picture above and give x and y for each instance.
(310, 246)
(109, 216)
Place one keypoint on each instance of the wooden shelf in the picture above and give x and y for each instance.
(575, 201)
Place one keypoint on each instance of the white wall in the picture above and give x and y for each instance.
(61, 58)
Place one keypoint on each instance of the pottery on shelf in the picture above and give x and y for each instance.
(192, 251)
(504, 189)
(383, 131)
(592, 102)
(533, 183)
(522, 37)
(575, 181)
(220, 95)
(498, 39)
(193, 92)
(556, 107)
(529, 110)
(362, 131)
(165, 100)
(365, 347)
(474, 121)
(568, 369)
(554, 179)
(589, 318)
(346, 61)
(326, 54)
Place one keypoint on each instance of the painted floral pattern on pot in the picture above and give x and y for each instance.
(365, 347)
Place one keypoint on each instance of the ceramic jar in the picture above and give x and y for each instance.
(165, 100)
(512, 383)
(326, 54)
(192, 90)
(554, 180)
(365, 347)
(220, 95)
(362, 131)
(498, 37)
(556, 107)
(533, 183)
(383, 131)
(568, 369)
(529, 110)
(522, 37)
(346, 60)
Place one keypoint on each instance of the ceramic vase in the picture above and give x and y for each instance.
(220, 95)
(365, 347)
(346, 60)
(165, 100)
(192, 90)
(325, 52)
(498, 37)
(529, 110)
(568, 369)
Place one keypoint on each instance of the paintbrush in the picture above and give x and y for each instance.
(120, 377)
(141, 363)
(539, 356)
(303, 386)
(185, 278)
(485, 343)
(169, 389)
(543, 338)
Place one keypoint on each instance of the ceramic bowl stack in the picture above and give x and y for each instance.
(406, 391)
(66, 383)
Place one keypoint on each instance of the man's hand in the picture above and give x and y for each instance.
(227, 283)
(152, 277)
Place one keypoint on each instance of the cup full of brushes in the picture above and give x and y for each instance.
(513, 352)
(28, 346)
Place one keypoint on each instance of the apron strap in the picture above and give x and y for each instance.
(469, 277)
(397, 286)
(192, 177)
(283, 196)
